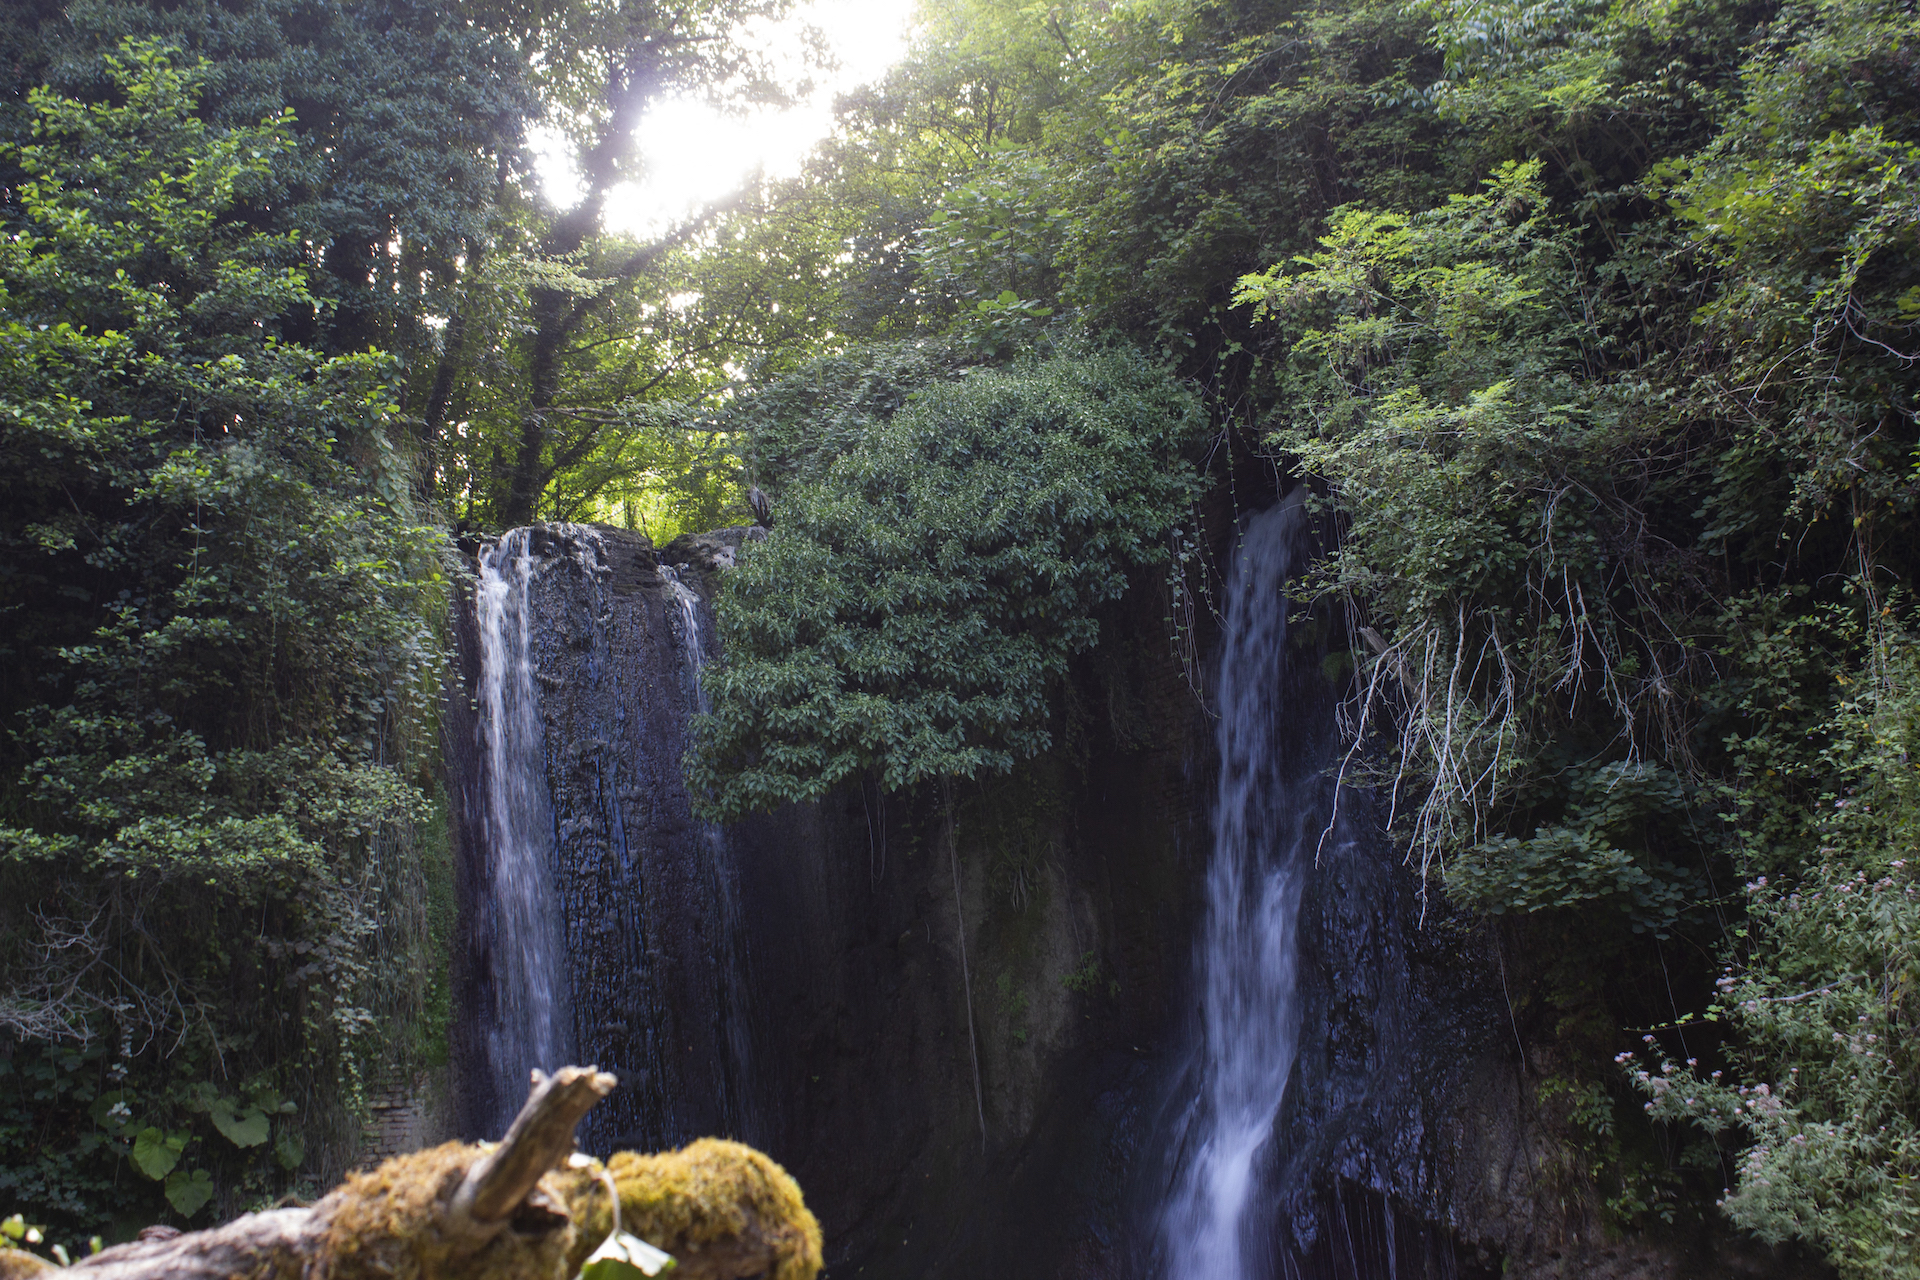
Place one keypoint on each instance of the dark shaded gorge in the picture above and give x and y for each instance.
(794, 980)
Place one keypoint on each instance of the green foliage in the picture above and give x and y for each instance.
(158, 428)
(425, 234)
(1623, 446)
(1441, 357)
(1229, 131)
(1592, 325)
(1636, 1188)
(625, 1257)
(1597, 852)
(1803, 205)
(400, 127)
(1822, 987)
(238, 1123)
(990, 249)
(75, 1126)
(17, 1233)
(920, 596)
(155, 1153)
(661, 468)
(187, 1192)
(72, 1176)
(569, 336)
(800, 423)
(224, 681)
(1597, 89)
(1015, 824)
(1090, 978)
(1013, 1003)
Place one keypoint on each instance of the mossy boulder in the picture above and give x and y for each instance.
(722, 1209)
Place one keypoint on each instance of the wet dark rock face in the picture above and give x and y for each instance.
(1405, 1009)
(700, 558)
(1393, 1011)
(636, 873)
(796, 980)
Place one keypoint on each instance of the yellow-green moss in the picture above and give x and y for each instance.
(389, 1224)
(709, 1194)
(722, 1209)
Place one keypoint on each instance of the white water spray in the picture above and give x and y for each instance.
(1264, 826)
(531, 1026)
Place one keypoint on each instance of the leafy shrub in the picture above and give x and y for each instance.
(1531, 647)
(1824, 993)
(800, 423)
(226, 668)
(921, 591)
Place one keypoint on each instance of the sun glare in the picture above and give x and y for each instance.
(693, 154)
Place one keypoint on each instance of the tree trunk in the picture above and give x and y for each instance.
(527, 1209)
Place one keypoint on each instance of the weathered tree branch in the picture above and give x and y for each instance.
(540, 1137)
(517, 1211)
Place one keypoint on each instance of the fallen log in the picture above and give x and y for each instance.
(528, 1208)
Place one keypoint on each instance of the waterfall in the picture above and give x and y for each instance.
(599, 919)
(730, 999)
(1267, 813)
(686, 604)
(530, 1024)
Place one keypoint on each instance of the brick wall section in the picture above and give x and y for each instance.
(398, 1124)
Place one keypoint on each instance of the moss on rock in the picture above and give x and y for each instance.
(722, 1209)
(392, 1223)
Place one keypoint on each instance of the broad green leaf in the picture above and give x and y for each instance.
(187, 1193)
(622, 1256)
(610, 1268)
(242, 1126)
(289, 1149)
(155, 1153)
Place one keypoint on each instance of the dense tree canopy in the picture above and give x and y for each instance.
(274, 279)
(1594, 329)
(222, 653)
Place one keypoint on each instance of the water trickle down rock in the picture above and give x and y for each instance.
(528, 1025)
(733, 995)
(1266, 816)
(1326, 1055)
(650, 965)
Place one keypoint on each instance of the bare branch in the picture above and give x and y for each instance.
(540, 1137)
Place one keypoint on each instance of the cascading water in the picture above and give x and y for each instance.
(530, 1025)
(736, 980)
(600, 919)
(1311, 1105)
(1267, 814)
